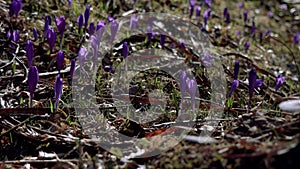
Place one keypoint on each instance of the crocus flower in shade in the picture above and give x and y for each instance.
(162, 40)
(236, 69)
(234, 85)
(86, 16)
(270, 14)
(82, 56)
(149, 33)
(29, 52)
(225, 12)
(15, 35)
(258, 83)
(72, 69)
(61, 24)
(253, 28)
(125, 50)
(238, 33)
(208, 3)
(207, 59)
(15, 8)
(58, 89)
(100, 24)
(267, 33)
(283, 7)
(240, 5)
(80, 22)
(192, 88)
(227, 18)
(252, 81)
(114, 29)
(183, 85)
(33, 78)
(133, 22)
(198, 10)
(279, 82)
(91, 28)
(247, 45)
(60, 59)
(35, 35)
(192, 6)
(206, 15)
(51, 38)
(47, 25)
(245, 16)
(296, 38)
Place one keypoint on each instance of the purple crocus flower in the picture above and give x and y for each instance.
(133, 22)
(234, 85)
(80, 22)
(236, 70)
(240, 5)
(33, 78)
(162, 40)
(125, 50)
(29, 52)
(91, 28)
(58, 90)
(61, 24)
(252, 81)
(296, 38)
(207, 59)
(208, 3)
(86, 15)
(100, 24)
(70, 2)
(60, 59)
(72, 69)
(225, 12)
(114, 26)
(227, 18)
(267, 33)
(259, 83)
(192, 6)
(245, 16)
(198, 10)
(15, 35)
(35, 35)
(47, 25)
(192, 88)
(283, 7)
(279, 82)
(238, 33)
(270, 14)
(82, 56)
(15, 8)
(183, 85)
(247, 45)
(51, 38)
(206, 15)
(253, 28)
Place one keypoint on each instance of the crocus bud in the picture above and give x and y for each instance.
(245, 16)
(296, 38)
(162, 40)
(252, 81)
(35, 35)
(15, 35)
(236, 69)
(279, 82)
(240, 5)
(29, 52)
(70, 2)
(227, 18)
(247, 45)
(47, 25)
(33, 78)
(208, 3)
(91, 28)
(234, 85)
(58, 89)
(114, 26)
(60, 59)
(206, 15)
(51, 38)
(15, 8)
(253, 28)
(192, 88)
(225, 12)
(198, 10)
(192, 6)
(133, 22)
(72, 69)
(183, 85)
(80, 22)
(82, 56)
(125, 50)
(86, 16)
